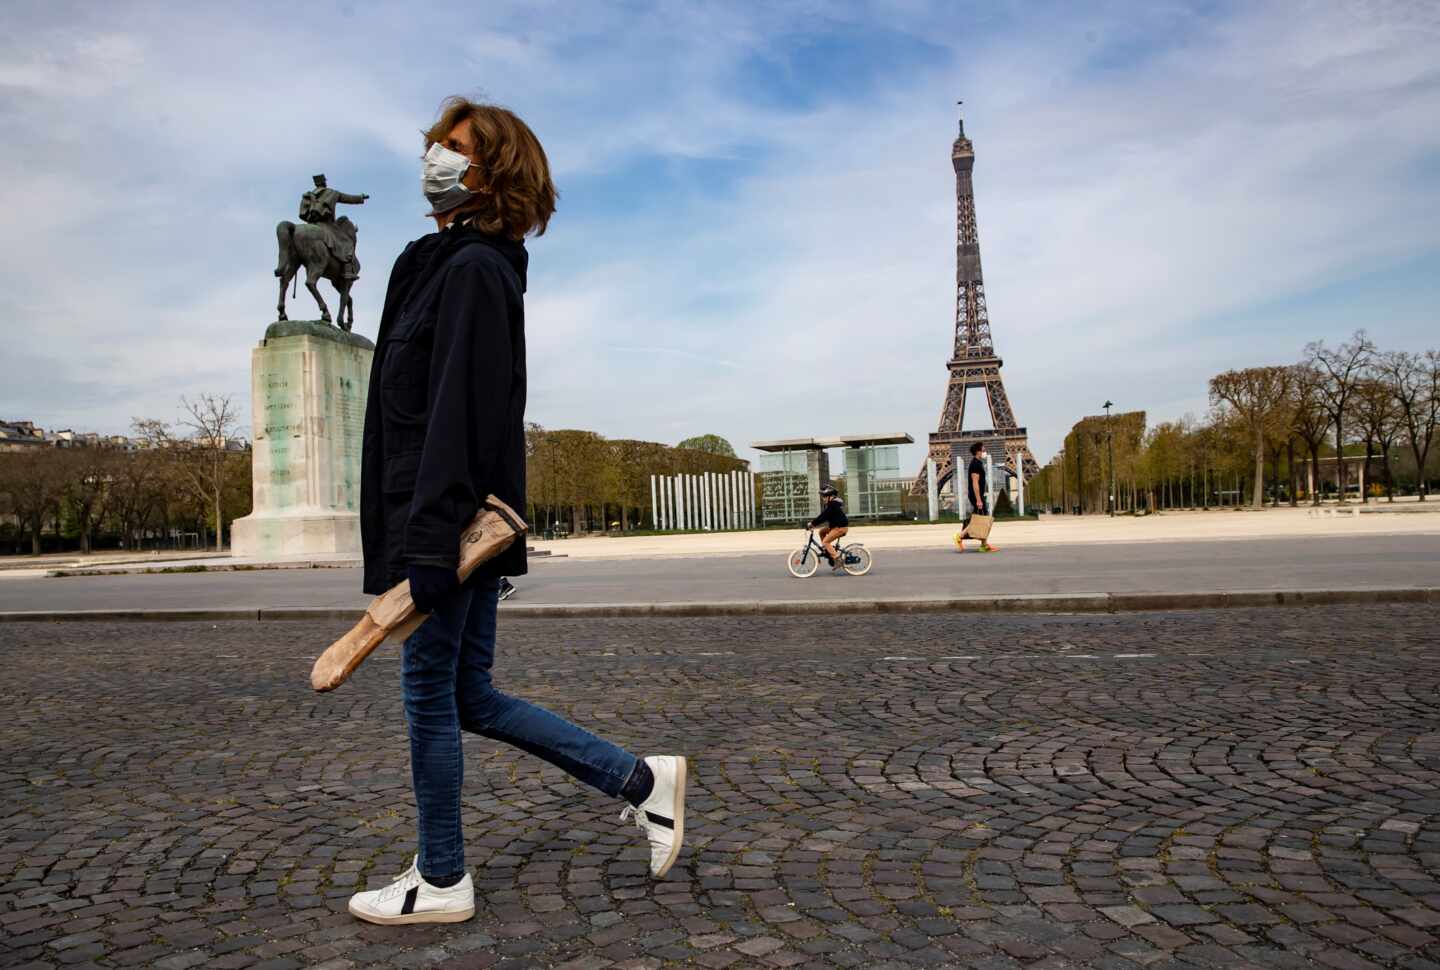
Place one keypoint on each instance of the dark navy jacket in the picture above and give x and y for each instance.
(445, 417)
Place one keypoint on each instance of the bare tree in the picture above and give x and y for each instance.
(1344, 367)
(1378, 411)
(87, 474)
(201, 456)
(1414, 379)
(1308, 418)
(136, 494)
(1258, 398)
(35, 483)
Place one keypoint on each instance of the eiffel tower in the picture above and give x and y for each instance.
(975, 363)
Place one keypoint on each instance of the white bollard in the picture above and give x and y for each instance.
(654, 505)
(989, 484)
(1020, 485)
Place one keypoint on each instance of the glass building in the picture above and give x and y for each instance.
(792, 471)
(872, 481)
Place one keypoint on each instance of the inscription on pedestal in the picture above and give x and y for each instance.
(308, 410)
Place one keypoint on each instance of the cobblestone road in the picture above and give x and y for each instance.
(1239, 788)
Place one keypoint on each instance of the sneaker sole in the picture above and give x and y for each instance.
(679, 818)
(458, 916)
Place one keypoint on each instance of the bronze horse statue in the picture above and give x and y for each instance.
(307, 245)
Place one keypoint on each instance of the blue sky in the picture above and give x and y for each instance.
(756, 224)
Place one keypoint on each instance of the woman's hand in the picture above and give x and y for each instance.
(429, 585)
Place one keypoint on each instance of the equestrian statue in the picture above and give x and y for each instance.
(324, 246)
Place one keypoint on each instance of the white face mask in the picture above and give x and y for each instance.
(440, 179)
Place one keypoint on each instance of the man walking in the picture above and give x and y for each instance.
(978, 493)
(444, 428)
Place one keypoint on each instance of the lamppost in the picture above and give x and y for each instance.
(1110, 445)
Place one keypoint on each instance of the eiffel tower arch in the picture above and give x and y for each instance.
(974, 363)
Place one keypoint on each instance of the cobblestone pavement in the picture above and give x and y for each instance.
(1237, 788)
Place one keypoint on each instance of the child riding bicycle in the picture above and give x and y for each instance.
(832, 523)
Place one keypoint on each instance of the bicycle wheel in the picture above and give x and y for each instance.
(857, 560)
(802, 566)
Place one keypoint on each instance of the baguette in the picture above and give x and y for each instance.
(392, 614)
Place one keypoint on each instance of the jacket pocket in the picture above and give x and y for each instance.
(405, 372)
(400, 472)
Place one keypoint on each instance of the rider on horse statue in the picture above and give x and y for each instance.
(323, 246)
(317, 207)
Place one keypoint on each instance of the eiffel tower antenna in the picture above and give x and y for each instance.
(974, 363)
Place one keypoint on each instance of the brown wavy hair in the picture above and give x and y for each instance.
(518, 198)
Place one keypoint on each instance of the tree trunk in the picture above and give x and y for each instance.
(1365, 471)
(1257, 491)
(1315, 464)
(219, 523)
(1339, 462)
(1290, 460)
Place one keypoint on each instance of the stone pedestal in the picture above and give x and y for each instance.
(308, 382)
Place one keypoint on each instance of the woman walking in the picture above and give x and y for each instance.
(444, 428)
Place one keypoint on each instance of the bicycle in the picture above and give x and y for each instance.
(855, 559)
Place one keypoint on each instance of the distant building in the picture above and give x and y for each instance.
(25, 436)
(21, 436)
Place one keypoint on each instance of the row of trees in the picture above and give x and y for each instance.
(1276, 425)
(594, 483)
(184, 478)
(187, 479)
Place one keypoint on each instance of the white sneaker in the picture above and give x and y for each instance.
(410, 899)
(662, 816)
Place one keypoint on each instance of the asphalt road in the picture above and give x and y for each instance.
(1312, 563)
(1242, 788)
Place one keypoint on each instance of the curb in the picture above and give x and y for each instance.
(1038, 603)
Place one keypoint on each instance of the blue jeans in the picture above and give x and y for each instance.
(445, 672)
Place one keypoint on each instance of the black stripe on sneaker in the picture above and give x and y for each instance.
(660, 820)
(409, 906)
